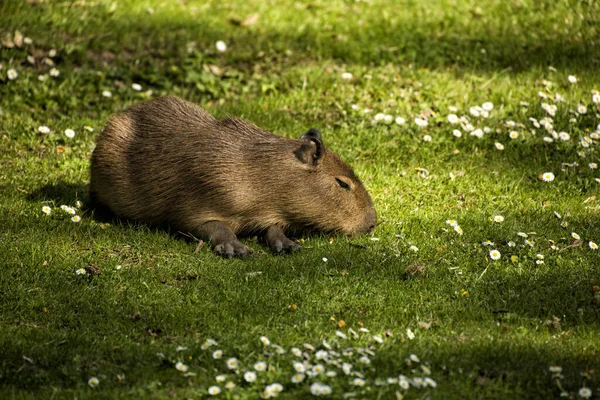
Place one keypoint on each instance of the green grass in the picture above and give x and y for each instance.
(486, 329)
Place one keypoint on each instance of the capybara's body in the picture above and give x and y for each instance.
(169, 162)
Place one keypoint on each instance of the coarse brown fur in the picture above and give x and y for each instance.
(169, 162)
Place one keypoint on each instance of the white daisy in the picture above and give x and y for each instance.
(585, 393)
(217, 354)
(593, 245)
(498, 218)
(347, 76)
(12, 74)
(93, 382)
(265, 340)
(221, 46)
(76, 218)
(487, 106)
(572, 78)
(136, 86)
(421, 122)
(499, 146)
(46, 210)
(232, 363)
(298, 378)
(81, 271)
(513, 134)
(495, 255)
(214, 390)
(547, 176)
(564, 136)
(181, 366)
(106, 93)
(250, 376)
(70, 133)
(54, 72)
(581, 109)
(400, 121)
(260, 366)
(453, 119)
(457, 133)
(43, 129)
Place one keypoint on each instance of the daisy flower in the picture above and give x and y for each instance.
(324, 259)
(487, 106)
(299, 367)
(296, 351)
(27, 40)
(513, 134)
(593, 165)
(214, 390)
(81, 271)
(181, 366)
(499, 146)
(232, 363)
(70, 133)
(54, 72)
(585, 393)
(413, 248)
(12, 74)
(458, 230)
(453, 119)
(364, 360)
(265, 340)
(378, 338)
(410, 334)
(564, 136)
(318, 389)
(575, 236)
(217, 354)
(358, 382)
(457, 133)
(400, 121)
(478, 133)
(498, 218)
(46, 210)
(572, 78)
(220, 378)
(249, 376)
(522, 234)
(414, 357)
(318, 369)
(593, 245)
(427, 138)
(93, 382)
(260, 366)
(298, 378)
(581, 109)
(555, 368)
(76, 218)
(495, 255)
(136, 86)
(547, 176)
(511, 244)
(346, 367)
(107, 93)
(347, 76)
(43, 129)
(221, 46)
(421, 122)
(596, 98)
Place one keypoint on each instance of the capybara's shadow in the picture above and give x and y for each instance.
(69, 193)
(62, 192)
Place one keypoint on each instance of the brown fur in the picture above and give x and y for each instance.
(168, 161)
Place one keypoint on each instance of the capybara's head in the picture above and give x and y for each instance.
(331, 196)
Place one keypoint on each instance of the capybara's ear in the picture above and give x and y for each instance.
(310, 151)
(312, 133)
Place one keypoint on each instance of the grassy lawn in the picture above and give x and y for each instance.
(419, 309)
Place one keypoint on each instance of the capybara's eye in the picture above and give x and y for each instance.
(342, 184)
